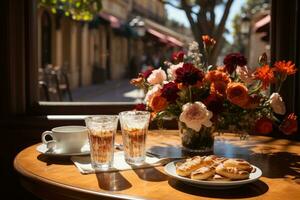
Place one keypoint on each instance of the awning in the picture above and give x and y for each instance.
(162, 38)
(114, 21)
(175, 41)
(263, 27)
(165, 38)
(165, 34)
(262, 22)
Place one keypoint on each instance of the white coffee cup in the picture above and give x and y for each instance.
(66, 139)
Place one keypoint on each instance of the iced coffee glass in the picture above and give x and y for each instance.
(134, 125)
(101, 133)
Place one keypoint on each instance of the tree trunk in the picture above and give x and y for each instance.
(216, 51)
(219, 34)
(198, 31)
(202, 25)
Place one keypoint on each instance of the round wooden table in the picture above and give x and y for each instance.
(57, 178)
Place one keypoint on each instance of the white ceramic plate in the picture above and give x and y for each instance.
(42, 148)
(170, 169)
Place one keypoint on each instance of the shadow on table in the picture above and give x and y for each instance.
(112, 181)
(150, 174)
(278, 164)
(246, 191)
(274, 160)
(62, 160)
(167, 151)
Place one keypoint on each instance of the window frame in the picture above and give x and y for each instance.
(279, 50)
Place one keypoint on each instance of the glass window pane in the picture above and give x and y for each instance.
(94, 60)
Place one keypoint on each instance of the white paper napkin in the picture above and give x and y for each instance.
(83, 163)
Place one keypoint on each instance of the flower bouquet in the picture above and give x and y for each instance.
(205, 99)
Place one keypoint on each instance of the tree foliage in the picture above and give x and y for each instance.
(79, 10)
(202, 18)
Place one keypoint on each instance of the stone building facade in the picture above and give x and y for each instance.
(259, 38)
(103, 49)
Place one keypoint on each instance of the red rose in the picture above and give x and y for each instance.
(264, 126)
(140, 107)
(147, 73)
(289, 124)
(170, 92)
(178, 56)
(214, 103)
(231, 61)
(188, 74)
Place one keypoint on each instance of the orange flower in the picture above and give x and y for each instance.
(217, 75)
(264, 126)
(208, 41)
(218, 87)
(253, 102)
(265, 74)
(289, 124)
(153, 115)
(158, 103)
(221, 69)
(287, 68)
(219, 81)
(137, 81)
(237, 93)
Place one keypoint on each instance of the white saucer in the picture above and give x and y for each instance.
(42, 148)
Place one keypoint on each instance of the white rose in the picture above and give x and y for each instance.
(157, 76)
(277, 104)
(172, 70)
(156, 88)
(245, 75)
(194, 115)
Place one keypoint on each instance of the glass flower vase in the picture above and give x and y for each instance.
(196, 141)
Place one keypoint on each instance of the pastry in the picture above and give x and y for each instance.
(218, 177)
(239, 164)
(210, 160)
(232, 172)
(203, 173)
(214, 168)
(219, 160)
(190, 165)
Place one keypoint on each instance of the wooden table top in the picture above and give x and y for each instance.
(58, 178)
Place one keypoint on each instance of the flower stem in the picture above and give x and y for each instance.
(256, 89)
(190, 94)
(282, 79)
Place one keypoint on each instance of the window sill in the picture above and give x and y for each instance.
(79, 108)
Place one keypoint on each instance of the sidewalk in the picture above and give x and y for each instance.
(110, 91)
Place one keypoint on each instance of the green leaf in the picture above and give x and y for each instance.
(53, 10)
(81, 10)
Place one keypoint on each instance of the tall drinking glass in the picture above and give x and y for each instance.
(134, 125)
(101, 132)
